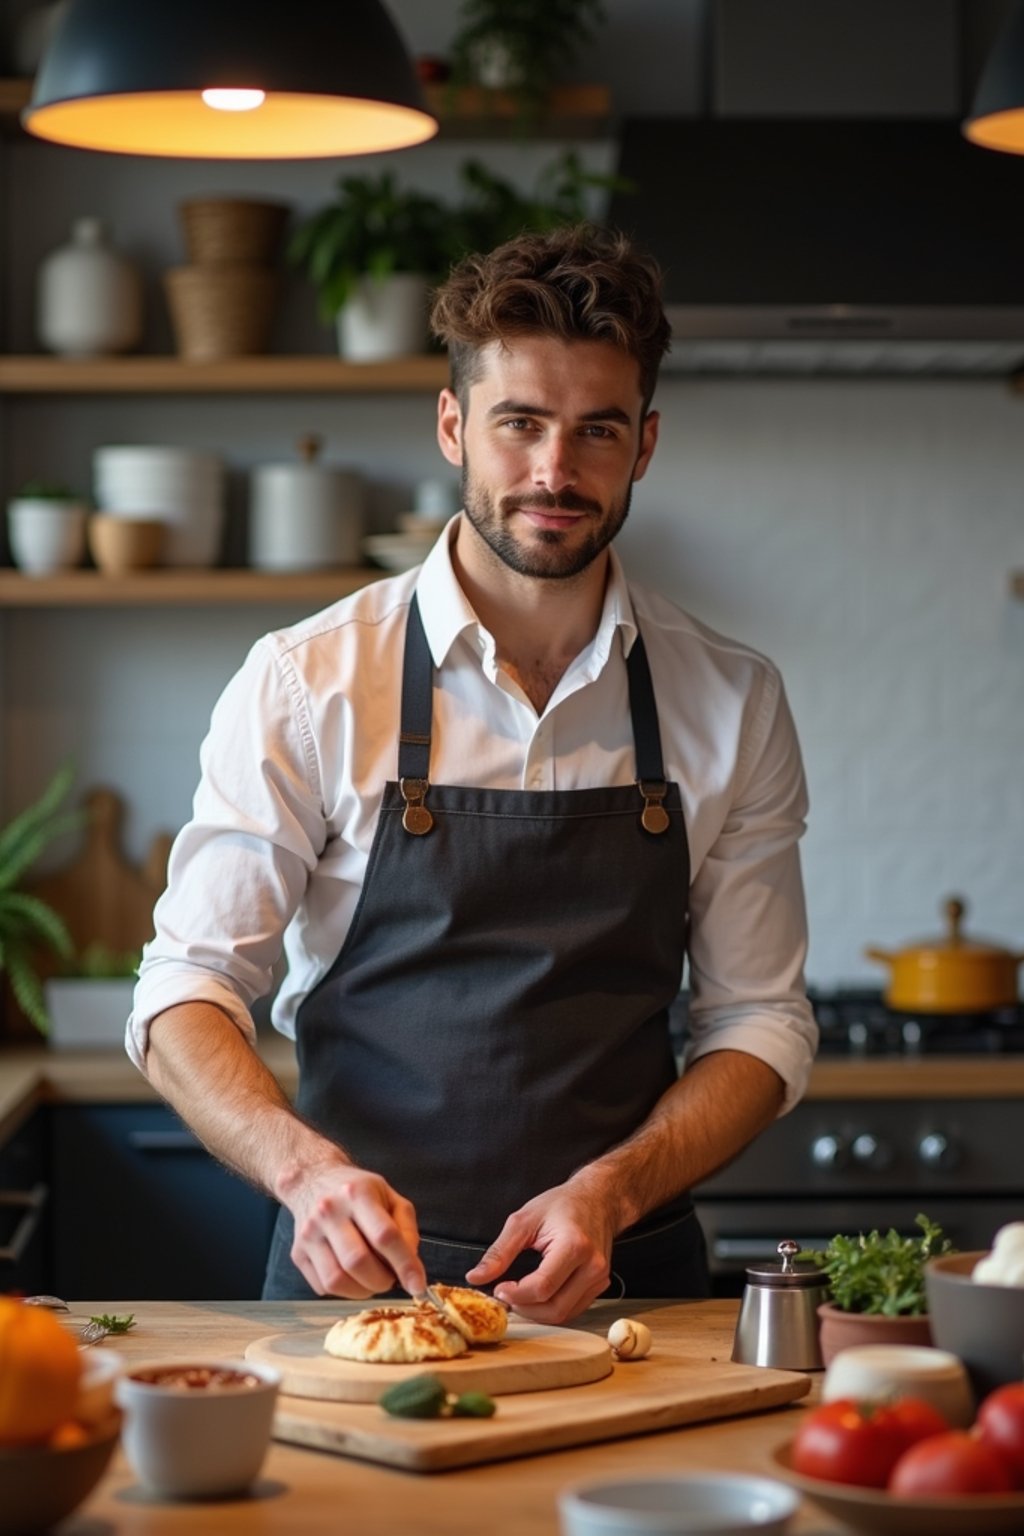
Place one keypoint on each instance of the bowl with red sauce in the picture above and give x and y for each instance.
(197, 1429)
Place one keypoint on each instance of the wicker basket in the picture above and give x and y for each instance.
(221, 310)
(232, 229)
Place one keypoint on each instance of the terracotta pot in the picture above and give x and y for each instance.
(951, 974)
(842, 1330)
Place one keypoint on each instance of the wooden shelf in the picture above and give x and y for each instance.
(181, 588)
(31, 375)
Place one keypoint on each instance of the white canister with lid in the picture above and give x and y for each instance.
(307, 515)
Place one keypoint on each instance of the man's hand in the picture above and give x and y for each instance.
(354, 1236)
(571, 1228)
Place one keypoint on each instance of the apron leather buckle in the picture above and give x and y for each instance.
(654, 817)
(416, 819)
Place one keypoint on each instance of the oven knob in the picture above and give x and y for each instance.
(869, 1152)
(828, 1152)
(937, 1151)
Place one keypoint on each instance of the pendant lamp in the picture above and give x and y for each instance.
(228, 79)
(996, 118)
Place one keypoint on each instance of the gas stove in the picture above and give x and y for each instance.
(857, 1022)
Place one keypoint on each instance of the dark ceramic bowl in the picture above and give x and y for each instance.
(983, 1324)
(39, 1485)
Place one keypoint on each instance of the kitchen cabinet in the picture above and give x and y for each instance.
(143, 1211)
(25, 1208)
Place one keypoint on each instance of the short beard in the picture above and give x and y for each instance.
(546, 558)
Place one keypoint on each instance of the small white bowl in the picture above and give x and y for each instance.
(195, 1442)
(679, 1505)
(889, 1370)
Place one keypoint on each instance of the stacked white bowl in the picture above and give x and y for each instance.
(182, 487)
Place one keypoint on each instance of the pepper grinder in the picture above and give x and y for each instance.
(778, 1321)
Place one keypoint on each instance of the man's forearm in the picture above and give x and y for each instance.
(719, 1104)
(205, 1069)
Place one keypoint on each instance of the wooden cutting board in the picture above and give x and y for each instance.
(667, 1389)
(529, 1358)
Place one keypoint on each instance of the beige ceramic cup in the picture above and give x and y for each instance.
(872, 1371)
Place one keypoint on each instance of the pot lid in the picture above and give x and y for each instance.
(789, 1272)
(954, 909)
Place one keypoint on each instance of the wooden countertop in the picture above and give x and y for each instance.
(31, 1075)
(311, 1492)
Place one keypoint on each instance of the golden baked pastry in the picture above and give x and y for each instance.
(477, 1316)
(395, 1336)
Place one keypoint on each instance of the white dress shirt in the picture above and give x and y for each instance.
(305, 735)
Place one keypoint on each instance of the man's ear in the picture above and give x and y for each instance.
(648, 443)
(449, 427)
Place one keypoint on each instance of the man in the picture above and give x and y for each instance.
(491, 805)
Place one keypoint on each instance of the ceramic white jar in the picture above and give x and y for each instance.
(384, 318)
(46, 533)
(305, 516)
(88, 296)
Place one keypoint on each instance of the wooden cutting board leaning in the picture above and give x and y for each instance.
(673, 1385)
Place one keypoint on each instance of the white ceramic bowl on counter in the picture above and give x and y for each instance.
(713, 1504)
(201, 1440)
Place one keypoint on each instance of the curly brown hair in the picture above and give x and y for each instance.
(579, 283)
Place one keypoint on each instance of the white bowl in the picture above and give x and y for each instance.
(679, 1505)
(397, 551)
(197, 1442)
(886, 1370)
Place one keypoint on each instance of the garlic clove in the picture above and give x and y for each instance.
(629, 1339)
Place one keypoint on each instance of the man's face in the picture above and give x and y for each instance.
(549, 447)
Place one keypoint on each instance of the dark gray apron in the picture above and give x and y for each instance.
(498, 1013)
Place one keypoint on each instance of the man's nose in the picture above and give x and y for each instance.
(555, 465)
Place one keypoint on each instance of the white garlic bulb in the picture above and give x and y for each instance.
(630, 1340)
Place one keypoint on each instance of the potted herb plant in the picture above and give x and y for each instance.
(494, 210)
(30, 927)
(877, 1285)
(89, 1001)
(46, 527)
(520, 46)
(372, 254)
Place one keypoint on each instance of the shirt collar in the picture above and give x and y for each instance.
(447, 613)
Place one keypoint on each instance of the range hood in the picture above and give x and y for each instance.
(862, 246)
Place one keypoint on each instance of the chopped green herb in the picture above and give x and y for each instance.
(114, 1324)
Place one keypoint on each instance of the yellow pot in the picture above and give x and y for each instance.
(951, 974)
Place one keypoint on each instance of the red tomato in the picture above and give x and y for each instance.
(953, 1463)
(915, 1420)
(1000, 1425)
(848, 1442)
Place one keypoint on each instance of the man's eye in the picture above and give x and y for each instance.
(520, 423)
(595, 429)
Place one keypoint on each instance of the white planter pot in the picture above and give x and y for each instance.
(386, 318)
(87, 1013)
(44, 534)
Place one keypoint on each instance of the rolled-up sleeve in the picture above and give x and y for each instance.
(748, 942)
(239, 868)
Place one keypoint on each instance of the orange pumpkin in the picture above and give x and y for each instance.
(39, 1370)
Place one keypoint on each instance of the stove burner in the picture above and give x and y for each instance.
(856, 1021)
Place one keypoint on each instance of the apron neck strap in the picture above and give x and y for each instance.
(417, 706)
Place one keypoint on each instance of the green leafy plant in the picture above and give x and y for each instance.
(372, 228)
(114, 1324)
(98, 962)
(46, 490)
(27, 924)
(494, 210)
(882, 1273)
(530, 41)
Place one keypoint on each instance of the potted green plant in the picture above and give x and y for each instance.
(89, 1001)
(30, 927)
(520, 46)
(46, 527)
(877, 1287)
(494, 210)
(371, 254)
